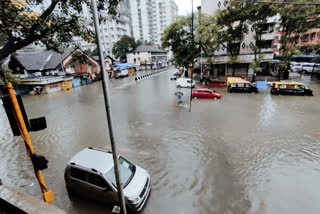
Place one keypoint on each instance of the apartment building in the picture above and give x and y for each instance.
(149, 18)
(111, 29)
(270, 47)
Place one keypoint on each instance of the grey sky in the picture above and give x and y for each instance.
(185, 6)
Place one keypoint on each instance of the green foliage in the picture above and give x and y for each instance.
(233, 21)
(125, 45)
(53, 26)
(256, 64)
(6, 75)
(79, 57)
(295, 20)
(178, 37)
(92, 53)
(207, 35)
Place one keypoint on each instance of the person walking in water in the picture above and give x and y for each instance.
(180, 100)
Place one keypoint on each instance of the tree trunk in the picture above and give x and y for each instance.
(233, 69)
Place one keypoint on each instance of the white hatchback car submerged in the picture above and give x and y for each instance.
(91, 172)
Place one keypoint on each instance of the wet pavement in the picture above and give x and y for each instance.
(245, 153)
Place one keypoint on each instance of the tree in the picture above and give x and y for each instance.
(258, 15)
(54, 26)
(92, 53)
(8, 76)
(295, 20)
(233, 22)
(178, 37)
(207, 36)
(125, 45)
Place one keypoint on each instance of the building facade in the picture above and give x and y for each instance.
(271, 43)
(146, 55)
(149, 18)
(308, 42)
(111, 29)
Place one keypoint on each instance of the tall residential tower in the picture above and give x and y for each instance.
(149, 18)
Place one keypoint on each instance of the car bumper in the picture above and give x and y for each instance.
(139, 206)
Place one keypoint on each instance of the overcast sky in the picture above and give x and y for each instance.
(185, 6)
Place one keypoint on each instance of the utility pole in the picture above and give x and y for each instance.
(191, 75)
(108, 110)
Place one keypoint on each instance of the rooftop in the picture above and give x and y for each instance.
(41, 60)
(93, 158)
(148, 48)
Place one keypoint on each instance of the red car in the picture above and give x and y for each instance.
(206, 93)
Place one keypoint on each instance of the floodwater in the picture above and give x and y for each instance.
(245, 153)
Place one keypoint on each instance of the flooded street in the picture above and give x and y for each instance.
(245, 153)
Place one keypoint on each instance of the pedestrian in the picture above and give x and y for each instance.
(180, 100)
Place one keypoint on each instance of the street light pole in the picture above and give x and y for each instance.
(108, 110)
(191, 75)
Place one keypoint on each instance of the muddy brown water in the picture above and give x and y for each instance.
(245, 153)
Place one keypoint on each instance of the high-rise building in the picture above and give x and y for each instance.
(111, 28)
(149, 18)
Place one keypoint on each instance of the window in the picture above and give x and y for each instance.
(96, 180)
(301, 87)
(281, 86)
(277, 37)
(313, 36)
(265, 44)
(247, 85)
(290, 86)
(208, 92)
(275, 46)
(199, 91)
(127, 171)
(240, 85)
(78, 174)
(305, 37)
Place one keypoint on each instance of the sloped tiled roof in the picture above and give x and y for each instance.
(148, 48)
(41, 60)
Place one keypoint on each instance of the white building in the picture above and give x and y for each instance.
(147, 55)
(111, 30)
(271, 36)
(150, 18)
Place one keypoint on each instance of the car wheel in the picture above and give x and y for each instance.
(179, 86)
(195, 98)
(304, 72)
(215, 98)
(188, 86)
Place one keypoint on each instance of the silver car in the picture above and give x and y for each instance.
(91, 173)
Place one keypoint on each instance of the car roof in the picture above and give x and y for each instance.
(288, 83)
(93, 158)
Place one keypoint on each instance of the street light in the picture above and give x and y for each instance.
(108, 110)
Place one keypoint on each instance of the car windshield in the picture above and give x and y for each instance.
(127, 171)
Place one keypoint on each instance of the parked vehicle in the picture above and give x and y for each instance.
(185, 82)
(175, 75)
(119, 73)
(205, 93)
(306, 63)
(309, 67)
(295, 66)
(236, 84)
(91, 173)
(293, 88)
